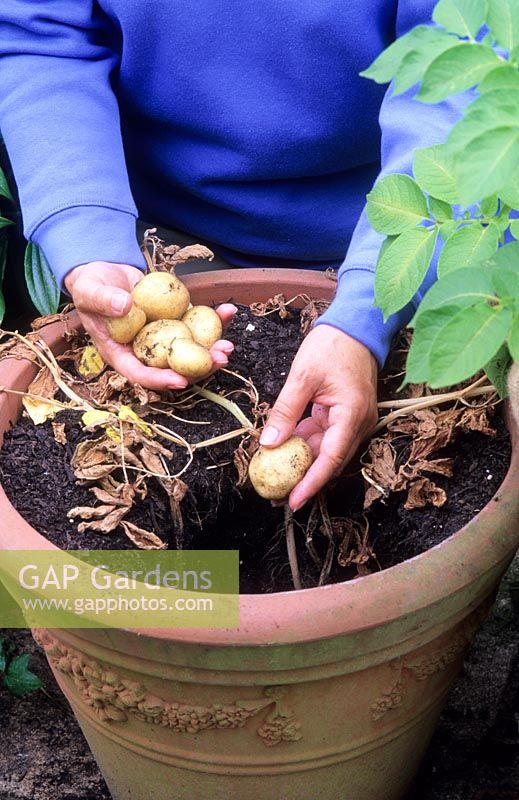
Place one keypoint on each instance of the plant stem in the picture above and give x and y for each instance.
(291, 548)
(229, 406)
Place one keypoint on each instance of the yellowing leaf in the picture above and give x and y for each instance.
(128, 414)
(91, 363)
(112, 434)
(41, 410)
(92, 418)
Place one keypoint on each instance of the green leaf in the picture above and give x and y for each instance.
(395, 204)
(442, 212)
(507, 257)
(3, 660)
(514, 228)
(427, 327)
(18, 678)
(503, 20)
(434, 170)
(4, 222)
(4, 186)
(468, 341)
(455, 70)
(386, 65)
(503, 77)
(414, 64)
(510, 191)
(487, 163)
(460, 288)
(402, 268)
(496, 109)
(448, 228)
(497, 370)
(489, 206)
(467, 247)
(506, 283)
(464, 17)
(42, 286)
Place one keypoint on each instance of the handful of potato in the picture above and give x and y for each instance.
(165, 329)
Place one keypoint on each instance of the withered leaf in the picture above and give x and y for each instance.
(424, 491)
(43, 384)
(476, 419)
(58, 430)
(145, 540)
(173, 254)
(103, 519)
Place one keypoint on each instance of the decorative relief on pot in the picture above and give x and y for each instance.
(421, 668)
(116, 699)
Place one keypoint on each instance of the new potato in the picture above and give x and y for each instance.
(161, 296)
(125, 329)
(204, 324)
(274, 471)
(152, 343)
(189, 359)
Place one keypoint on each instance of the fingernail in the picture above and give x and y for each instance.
(270, 435)
(296, 506)
(228, 347)
(118, 301)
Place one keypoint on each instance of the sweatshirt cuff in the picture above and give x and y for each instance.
(81, 234)
(353, 312)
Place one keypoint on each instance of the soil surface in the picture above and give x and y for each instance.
(36, 475)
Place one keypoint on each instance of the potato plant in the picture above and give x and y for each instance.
(464, 191)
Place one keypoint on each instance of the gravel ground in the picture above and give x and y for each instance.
(474, 754)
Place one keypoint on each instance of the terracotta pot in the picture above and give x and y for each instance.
(323, 693)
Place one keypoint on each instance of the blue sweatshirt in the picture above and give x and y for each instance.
(242, 123)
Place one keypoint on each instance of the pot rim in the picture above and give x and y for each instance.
(363, 603)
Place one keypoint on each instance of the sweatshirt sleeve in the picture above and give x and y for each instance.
(406, 124)
(60, 122)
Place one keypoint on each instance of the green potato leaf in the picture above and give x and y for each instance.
(426, 329)
(467, 247)
(434, 171)
(497, 370)
(486, 164)
(506, 284)
(456, 70)
(460, 288)
(464, 17)
(441, 212)
(387, 64)
(507, 257)
(395, 204)
(468, 341)
(402, 268)
(503, 20)
(503, 77)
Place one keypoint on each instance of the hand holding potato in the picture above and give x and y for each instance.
(338, 375)
(101, 289)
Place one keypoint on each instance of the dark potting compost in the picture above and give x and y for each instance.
(414, 487)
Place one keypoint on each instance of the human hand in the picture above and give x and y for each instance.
(338, 375)
(101, 289)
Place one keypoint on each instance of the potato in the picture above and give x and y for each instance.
(161, 296)
(124, 329)
(189, 359)
(151, 345)
(274, 471)
(204, 324)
